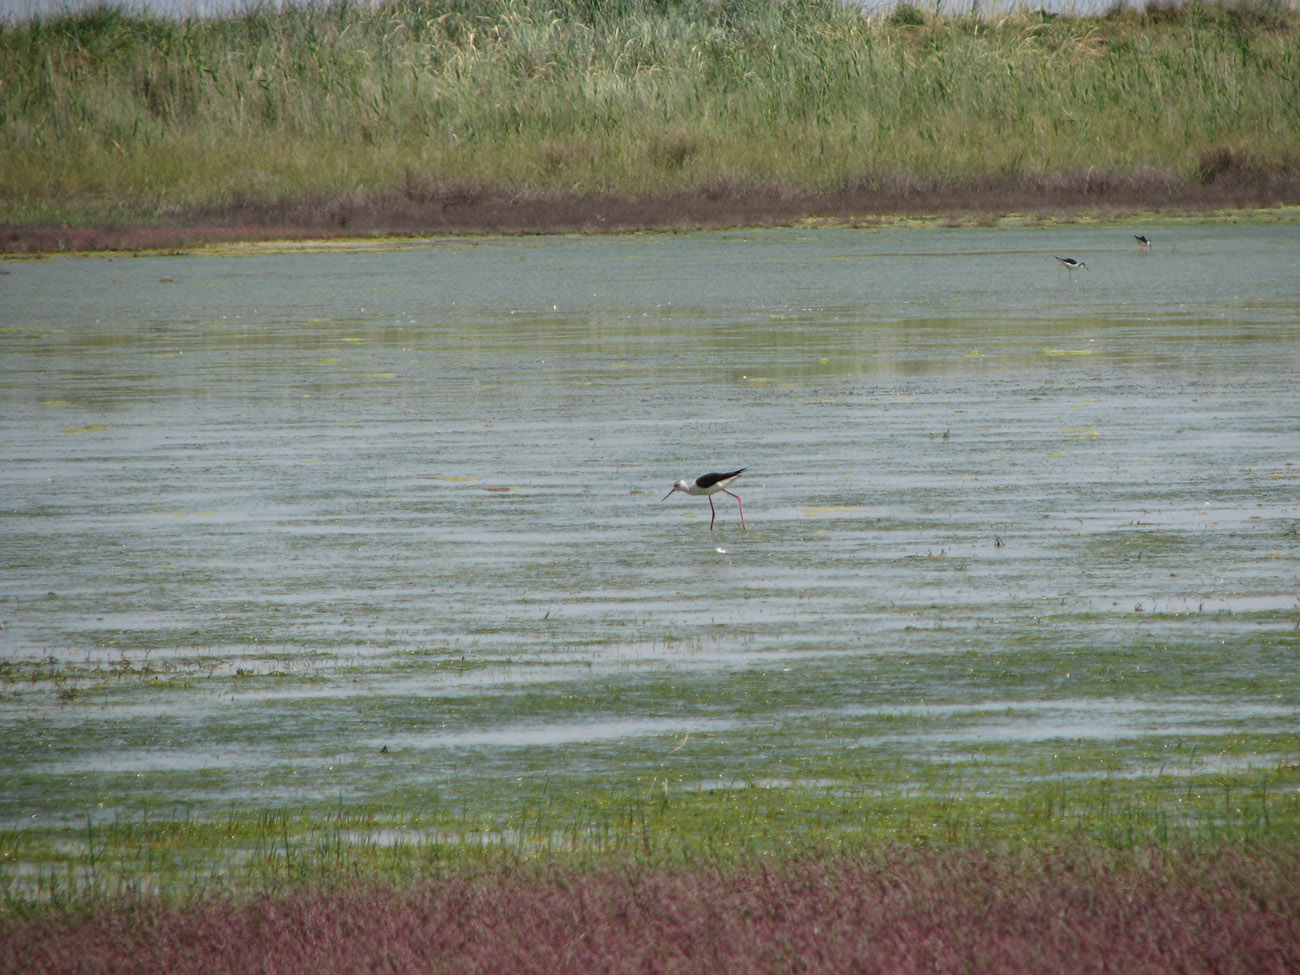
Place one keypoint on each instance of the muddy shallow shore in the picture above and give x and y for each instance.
(419, 209)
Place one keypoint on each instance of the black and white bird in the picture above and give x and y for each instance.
(707, 484)
(1070, 264)
(1144, 242)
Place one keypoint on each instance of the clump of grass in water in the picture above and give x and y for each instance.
(105, 109)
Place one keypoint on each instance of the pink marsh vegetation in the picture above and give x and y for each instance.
(899, 911)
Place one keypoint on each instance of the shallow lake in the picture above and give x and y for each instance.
(385, 524)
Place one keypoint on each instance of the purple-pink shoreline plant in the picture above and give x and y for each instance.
(899, 911)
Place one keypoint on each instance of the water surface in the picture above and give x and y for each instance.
(383, 525)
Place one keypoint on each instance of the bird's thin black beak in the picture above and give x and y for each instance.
(668, 495)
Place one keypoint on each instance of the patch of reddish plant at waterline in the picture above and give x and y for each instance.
(897, 911)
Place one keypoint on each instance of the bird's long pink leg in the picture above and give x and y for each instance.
(739, 502)
(714, 516)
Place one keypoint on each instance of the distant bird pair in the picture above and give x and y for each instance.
(1071, 265)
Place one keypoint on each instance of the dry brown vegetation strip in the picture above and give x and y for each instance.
(1079, 910)
(459, 209)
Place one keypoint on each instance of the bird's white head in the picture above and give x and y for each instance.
(679, 486)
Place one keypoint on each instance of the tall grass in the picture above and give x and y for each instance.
(106, 109)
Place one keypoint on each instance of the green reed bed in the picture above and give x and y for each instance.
(109, 114)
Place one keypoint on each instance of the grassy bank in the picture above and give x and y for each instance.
(427, 116)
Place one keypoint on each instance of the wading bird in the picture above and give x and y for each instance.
(707, 484)
(1070, 264)
(1144, 242)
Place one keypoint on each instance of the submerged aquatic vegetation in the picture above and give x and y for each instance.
(1184, 805)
